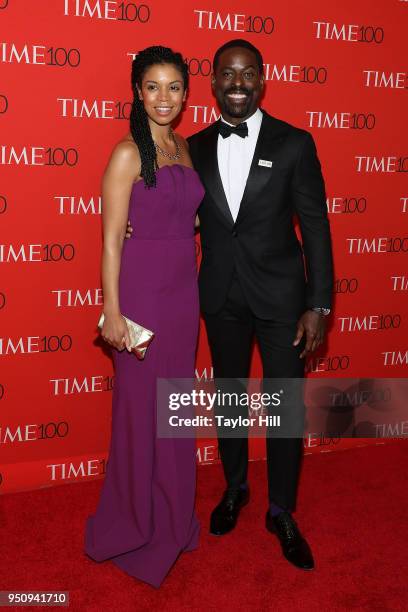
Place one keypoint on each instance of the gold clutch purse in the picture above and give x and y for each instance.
(140, 337)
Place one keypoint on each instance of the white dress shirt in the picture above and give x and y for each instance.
(234, 161)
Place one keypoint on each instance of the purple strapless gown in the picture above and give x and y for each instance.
(145, 517)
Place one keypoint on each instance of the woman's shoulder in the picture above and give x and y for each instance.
(126, 149)
(126, 155)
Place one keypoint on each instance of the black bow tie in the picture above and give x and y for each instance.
(226, 130)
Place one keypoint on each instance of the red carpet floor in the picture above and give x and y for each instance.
(352, 507)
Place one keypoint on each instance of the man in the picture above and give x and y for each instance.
(258, 172)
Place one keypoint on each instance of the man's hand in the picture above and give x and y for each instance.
(312, 324)
(129, 230)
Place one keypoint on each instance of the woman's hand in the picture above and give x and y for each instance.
(115, 332)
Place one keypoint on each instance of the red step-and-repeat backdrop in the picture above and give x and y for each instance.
(335, 68)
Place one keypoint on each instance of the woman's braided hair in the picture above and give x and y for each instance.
(139, 124)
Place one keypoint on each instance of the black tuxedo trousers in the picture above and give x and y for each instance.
(231, 333)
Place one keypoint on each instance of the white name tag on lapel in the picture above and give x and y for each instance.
(266, 163)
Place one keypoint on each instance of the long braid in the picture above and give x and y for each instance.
(142, 135)
(139, 123)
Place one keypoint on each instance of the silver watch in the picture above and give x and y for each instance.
(323, 311)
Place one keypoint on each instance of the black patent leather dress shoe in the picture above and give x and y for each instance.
(224, 516)
(294, 546)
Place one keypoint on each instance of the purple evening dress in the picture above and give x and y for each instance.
(145, 517)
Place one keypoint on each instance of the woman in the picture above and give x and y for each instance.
(145, 517)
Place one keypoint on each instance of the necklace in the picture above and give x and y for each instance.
(176, 155)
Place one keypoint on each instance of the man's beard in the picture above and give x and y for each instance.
(236, 110)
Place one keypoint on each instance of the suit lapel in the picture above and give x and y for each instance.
(210, 173)
(269, 136)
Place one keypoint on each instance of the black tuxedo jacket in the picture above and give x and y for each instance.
(280, 279)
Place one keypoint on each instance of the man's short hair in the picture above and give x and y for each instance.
(239, 42)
